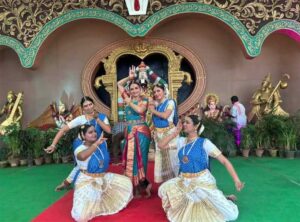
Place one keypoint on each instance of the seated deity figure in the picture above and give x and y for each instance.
(61, 116)
(212, 111)
(8, 108)
(267, 99)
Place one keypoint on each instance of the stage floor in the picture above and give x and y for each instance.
(271, 193)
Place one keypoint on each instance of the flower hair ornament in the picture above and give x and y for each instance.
(201, 127)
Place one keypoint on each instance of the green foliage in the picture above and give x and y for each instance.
(13, 141)
(219, 133)
(49, 136)
(35, 141)
(3, 153)
(289, 135)
(248, 134)
(269, 130)
(296, 119)
(65, 145)
(277, 131)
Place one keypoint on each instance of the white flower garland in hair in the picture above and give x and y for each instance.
(201, 130)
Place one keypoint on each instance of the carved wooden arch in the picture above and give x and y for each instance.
(142, 48)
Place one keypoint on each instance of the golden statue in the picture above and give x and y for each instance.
(211, 110)
(12, 110)
(267, 99)
(56, 115)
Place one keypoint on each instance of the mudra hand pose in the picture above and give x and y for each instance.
(137, 136)
(193, 196)
(97, 192)
(90, 116)
(164, 111)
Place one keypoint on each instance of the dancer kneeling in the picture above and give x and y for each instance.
(97, 192)
(193, 196)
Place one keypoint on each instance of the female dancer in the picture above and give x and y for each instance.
(166, 161)
(97, 192)
(137, 136)
(98, 120)
(193, 196)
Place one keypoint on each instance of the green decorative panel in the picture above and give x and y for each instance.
(252, 21)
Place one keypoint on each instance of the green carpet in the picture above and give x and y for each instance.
(271, 193)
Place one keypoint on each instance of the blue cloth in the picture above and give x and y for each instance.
(93, 166)
(158, 121)
(198, 158)
(94, 162)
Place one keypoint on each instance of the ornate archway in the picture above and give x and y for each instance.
(141, 48)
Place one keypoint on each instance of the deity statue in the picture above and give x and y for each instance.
(56, 115)
(267, 99)
(147, 78)
(61, 115)
(211, 110)
(12, 110)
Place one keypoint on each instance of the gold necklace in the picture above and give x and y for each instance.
(185, 158)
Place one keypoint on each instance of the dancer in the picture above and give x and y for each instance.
(96, 191)
(164, 116)
(90, 116)
(137, 136)
(193, 196)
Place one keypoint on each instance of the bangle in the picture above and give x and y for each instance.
(54, 146)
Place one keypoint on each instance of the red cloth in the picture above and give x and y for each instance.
(146, 210)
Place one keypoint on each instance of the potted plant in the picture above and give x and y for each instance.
(13, 143)
(49, 136)
(56, 157)
(65, 145)
(36, 143)
(296, 120)
(288, 137)
(273, 125)
(219, 134)
(247, 142)
(259, 136)
(3, 157)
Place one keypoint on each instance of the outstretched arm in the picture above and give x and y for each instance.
(238, 184)
(60, 134)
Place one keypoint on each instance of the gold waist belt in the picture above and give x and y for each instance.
(193, 175)
(162, 130)
(134, 122)
(92, 174)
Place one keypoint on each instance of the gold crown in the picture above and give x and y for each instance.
(211, 97)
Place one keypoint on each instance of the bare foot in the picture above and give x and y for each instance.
(137, 194)
(148, 190)
(231, 197)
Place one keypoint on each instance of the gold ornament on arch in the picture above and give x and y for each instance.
(141, 48)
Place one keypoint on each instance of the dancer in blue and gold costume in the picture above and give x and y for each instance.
(164, 116)
(193, 195)
(90, 116)
(97, 192)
